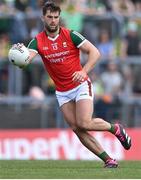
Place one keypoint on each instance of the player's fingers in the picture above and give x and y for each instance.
(81, 79)
(74, 74)
(20, 45)
(75, 78)
(78, 78)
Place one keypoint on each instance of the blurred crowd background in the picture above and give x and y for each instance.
(27, 97)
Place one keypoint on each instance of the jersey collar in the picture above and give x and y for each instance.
(53, 38)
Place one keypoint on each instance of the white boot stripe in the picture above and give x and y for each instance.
(128, 140)
(124, 131)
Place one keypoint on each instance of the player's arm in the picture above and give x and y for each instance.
(88, 48)
(93, 55)
(32, 46)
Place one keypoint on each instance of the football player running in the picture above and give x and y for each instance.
(60, 49)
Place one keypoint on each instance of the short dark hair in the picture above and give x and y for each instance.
(50, 5)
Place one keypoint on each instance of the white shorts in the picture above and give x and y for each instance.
(83, 91)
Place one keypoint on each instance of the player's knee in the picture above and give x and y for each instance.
(82, 125)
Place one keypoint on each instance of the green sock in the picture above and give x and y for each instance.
(104, 156)
(112, 129)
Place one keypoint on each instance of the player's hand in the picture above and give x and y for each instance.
(18, 45)
(79, 76)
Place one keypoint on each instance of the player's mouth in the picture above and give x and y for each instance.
(52, 25)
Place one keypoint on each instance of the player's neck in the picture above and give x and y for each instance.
(54, 34)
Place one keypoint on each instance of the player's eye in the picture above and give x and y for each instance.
(50, 17)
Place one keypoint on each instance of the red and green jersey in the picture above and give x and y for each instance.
(60, 56)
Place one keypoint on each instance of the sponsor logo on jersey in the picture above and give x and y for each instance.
(54, 55)
(57, 57)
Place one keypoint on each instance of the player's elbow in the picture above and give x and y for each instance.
(97, 54)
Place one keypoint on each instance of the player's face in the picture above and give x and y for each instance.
(51, 21)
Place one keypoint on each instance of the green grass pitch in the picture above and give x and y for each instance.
(48, 169)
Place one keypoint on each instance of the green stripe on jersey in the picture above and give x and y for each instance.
(77, 38)
(33, 44)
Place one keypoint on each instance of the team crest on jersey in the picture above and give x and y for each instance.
(64, 44)
(54, 46)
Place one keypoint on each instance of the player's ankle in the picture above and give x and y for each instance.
(113, 129)
(104, 156)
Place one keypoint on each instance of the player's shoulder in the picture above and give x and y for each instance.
(77, 34)
(77, 38)
(64, 30)
(72, 33)
(40, 34)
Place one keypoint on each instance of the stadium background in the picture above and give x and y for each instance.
(31, 125)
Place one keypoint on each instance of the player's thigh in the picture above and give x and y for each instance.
(69, 111)
(84, 110)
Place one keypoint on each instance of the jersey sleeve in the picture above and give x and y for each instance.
(33, 45)
(77, 38)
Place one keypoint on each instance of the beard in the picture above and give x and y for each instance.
(51, 30)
